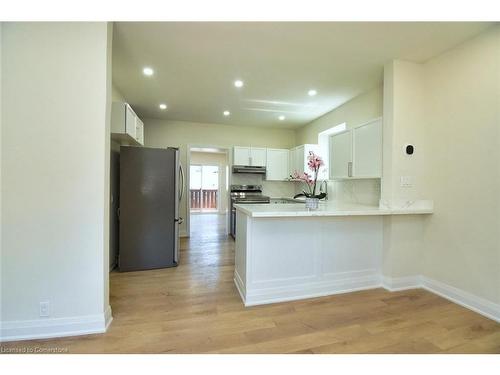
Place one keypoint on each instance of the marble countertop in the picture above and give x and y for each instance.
(333, 209)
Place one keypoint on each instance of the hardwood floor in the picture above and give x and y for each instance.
(195, 308)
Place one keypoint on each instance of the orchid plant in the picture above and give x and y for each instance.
(314, 163)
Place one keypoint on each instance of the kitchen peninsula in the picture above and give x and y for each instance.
(286, 252)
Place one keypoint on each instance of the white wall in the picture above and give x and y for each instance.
(403, 124)
(462, 139)
(449, 107)
(161, 133)
(116, 96)
(1, 163)
(55, 158)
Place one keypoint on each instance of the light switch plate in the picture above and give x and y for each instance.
(44, 308)
(407, 181)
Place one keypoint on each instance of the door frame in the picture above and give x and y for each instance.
(229, 158)
(219, 184)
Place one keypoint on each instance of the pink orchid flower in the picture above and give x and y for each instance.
(314, 163)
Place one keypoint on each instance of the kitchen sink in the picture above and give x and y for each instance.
(285, 200)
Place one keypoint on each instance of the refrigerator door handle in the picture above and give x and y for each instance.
(176, 250)
(181, 174)
(178, 221)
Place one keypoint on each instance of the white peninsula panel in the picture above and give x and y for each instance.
(285, 252)
(280, 259)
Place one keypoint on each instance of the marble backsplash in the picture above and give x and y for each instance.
(365, 191)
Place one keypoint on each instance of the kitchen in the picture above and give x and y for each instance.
(340, 216)
(371, 175)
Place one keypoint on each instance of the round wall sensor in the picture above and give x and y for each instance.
(409, 149)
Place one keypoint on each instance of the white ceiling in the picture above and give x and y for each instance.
(196, 63)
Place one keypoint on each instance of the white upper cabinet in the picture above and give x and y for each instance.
(130, 120)
(139, 131)
(241, 155)
(367, 150)
(258, 157)
(298, 157)
(357, 153)
(341, 155)
(126, 126)
(252, 156)
(277, 164)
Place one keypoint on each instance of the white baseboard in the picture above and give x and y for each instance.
(239, 285)
(310, 290)
(108, 318)
(395, 284)
(480, 305)
(477, 304)
(55, 327)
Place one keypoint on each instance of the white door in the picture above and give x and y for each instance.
(341, 155)
(277, 164)
(258, 157)
(241, 156)
(367, 150)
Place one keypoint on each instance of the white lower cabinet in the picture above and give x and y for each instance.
(277, 164)
(357, 152)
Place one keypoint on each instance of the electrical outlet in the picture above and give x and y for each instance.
(44, 308)
(406, 181)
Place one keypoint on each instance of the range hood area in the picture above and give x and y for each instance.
(249, 169)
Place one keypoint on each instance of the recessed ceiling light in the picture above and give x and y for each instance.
(312, 92)
(163, 106)
(281, 118)
(238, 83)
(148, 71)
(226, 113)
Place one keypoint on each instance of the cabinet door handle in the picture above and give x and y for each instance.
(349, 169)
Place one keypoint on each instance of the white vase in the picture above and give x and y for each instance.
(312, 203)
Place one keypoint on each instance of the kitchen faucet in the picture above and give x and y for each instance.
(325, 184)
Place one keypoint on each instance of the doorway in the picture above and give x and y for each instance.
(207, 195)
(204, 194)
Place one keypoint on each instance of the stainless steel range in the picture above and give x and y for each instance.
(245, 194)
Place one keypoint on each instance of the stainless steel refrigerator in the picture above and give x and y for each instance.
(151, 186)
